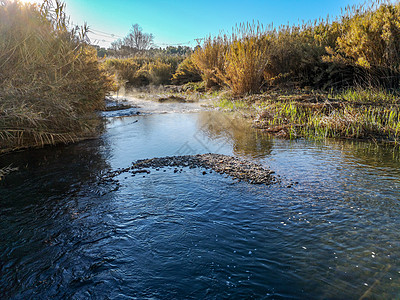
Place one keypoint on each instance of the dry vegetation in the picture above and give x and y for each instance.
(50, 81)
(361, 47)
(144, 69)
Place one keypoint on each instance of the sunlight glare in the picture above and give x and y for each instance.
(31, 1)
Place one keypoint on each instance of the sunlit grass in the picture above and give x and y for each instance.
(355, 57)
(366, 95)
(230, 104)
(142, 70)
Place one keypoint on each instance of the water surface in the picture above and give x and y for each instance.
(171, 235)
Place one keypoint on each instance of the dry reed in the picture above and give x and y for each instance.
(50, 81)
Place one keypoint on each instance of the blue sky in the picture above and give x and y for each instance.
(173, 22)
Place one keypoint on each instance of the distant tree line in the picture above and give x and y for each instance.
(137, 42)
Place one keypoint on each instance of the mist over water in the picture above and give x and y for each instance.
(171, 235)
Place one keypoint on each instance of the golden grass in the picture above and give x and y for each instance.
(186, 72)
(210, 59)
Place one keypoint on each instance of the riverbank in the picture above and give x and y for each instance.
(352, 114)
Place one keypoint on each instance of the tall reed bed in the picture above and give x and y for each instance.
(360, 47)
(50, 80)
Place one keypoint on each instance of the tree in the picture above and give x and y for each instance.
(137, 39)
(116, 45)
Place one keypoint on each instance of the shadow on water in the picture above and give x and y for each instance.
(58, 169)
(39, 204)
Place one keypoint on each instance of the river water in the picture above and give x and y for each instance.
(329, 230)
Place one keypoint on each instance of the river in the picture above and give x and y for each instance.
(329, 230)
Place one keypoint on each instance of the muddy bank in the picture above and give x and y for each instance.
(222, 164)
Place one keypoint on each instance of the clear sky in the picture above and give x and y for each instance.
(174, 22)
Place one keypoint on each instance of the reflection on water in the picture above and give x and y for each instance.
(245, 140)
(383, 156)
(186, 235)
(60, 167)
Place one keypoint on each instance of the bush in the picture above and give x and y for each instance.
(186, 72)
(160, 73)
(210, 60)
(246, 60)
(142, 70)
(156, 72)
(125, 69)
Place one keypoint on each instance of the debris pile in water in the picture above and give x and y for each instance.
(222, 164)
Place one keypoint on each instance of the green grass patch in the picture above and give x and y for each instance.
(227, 104)
(348, 115)
(367, 95)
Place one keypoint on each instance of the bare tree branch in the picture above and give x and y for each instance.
(137, 39)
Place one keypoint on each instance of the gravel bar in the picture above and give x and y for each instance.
(223, 164)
